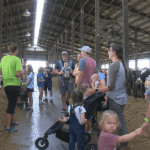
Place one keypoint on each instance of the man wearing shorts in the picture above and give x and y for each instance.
(67, 85)
(48, 81)
(87, 67)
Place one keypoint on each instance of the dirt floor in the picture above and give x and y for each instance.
(135, 112)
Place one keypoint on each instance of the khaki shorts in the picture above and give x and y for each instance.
(67, 86)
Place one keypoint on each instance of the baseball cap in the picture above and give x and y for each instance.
(85, 48)
(64, 53)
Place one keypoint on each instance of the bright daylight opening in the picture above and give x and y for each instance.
(39, 10)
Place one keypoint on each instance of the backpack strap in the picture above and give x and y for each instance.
(61, 64)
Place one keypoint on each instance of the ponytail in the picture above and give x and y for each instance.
(119, 52)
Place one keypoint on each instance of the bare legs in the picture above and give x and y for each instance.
(30, 99)
(9, 120)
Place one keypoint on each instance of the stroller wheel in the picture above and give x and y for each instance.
(41, 143)
(87, 138)
(90, 146)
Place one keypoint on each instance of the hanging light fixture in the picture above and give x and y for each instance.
(28, 34)
(26, 13)
(29, 45)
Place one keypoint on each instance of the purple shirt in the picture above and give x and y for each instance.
(107, 141)
(88, 65)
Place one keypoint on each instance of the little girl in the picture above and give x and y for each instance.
(109, 123)
(30, 86)
(40, 83)
(76, 120)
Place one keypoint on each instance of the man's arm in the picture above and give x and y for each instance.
(80, 76)
(18, 73)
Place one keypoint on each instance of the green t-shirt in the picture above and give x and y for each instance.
(10, 64)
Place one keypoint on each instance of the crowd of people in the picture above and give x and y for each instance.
(88, 81)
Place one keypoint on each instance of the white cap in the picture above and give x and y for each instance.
(85, 48)
(64, 53)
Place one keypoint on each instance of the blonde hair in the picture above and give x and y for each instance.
(84, 87)
(12, 47)
(94, 76)
(108, 113)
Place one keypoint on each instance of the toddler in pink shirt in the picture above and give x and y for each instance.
(109, 123)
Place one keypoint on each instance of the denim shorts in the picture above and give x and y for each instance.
(41, 86)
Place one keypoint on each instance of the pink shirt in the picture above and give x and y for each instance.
(88, 65)
(107, 141)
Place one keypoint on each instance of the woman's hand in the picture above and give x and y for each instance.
(89, 92)
(145, 127)
(146, 96)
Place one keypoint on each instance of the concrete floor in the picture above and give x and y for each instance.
(33, 125)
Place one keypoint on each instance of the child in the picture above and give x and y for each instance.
(66, 73)
(96, 84)
(88, 125)
(40, 83)
(76, 120)
(147, 87)
(83, 89)
(23, 96)
(109, 123)
(29, 87)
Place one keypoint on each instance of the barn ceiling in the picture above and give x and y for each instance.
(57, 12)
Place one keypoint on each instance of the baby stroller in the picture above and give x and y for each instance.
(91, 103)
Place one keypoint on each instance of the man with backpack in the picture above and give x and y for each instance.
(67, 85)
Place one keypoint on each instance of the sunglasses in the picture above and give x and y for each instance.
(109, 50)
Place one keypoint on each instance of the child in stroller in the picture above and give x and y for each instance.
(90, 105)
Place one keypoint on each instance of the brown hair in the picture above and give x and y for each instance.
(119, 52)
(12, 47)
(77, 99)
(84, 87)
(30, 69)
(40, 69)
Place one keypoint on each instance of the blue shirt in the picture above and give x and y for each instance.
(49, 75)
(59, 68)
(40, 76)
(30, 76)
(101, 76)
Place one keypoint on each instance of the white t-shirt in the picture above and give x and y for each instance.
(77, 113)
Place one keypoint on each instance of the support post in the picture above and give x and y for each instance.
(61, 37)
(11, 36)
(97, 35)
(136, 51)
(66, 35)
(1, 21)
(82, 23)
(6, 30)
(72, 33)
(57, 48)
(125, 32)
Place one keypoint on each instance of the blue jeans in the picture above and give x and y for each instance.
(76, 134)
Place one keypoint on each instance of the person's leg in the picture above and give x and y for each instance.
(119, 109)
(30, 99)
(72, 140)
(63, 101)
(12, 93)
(80, 138)
(89, 124)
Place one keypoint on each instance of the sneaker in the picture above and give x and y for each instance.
(45, 100)
(63, 111)
(90, 132)
(11, 130)
(104, 106)
(51, 101)
(94, 122)
(14, 124)
(29, 109)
